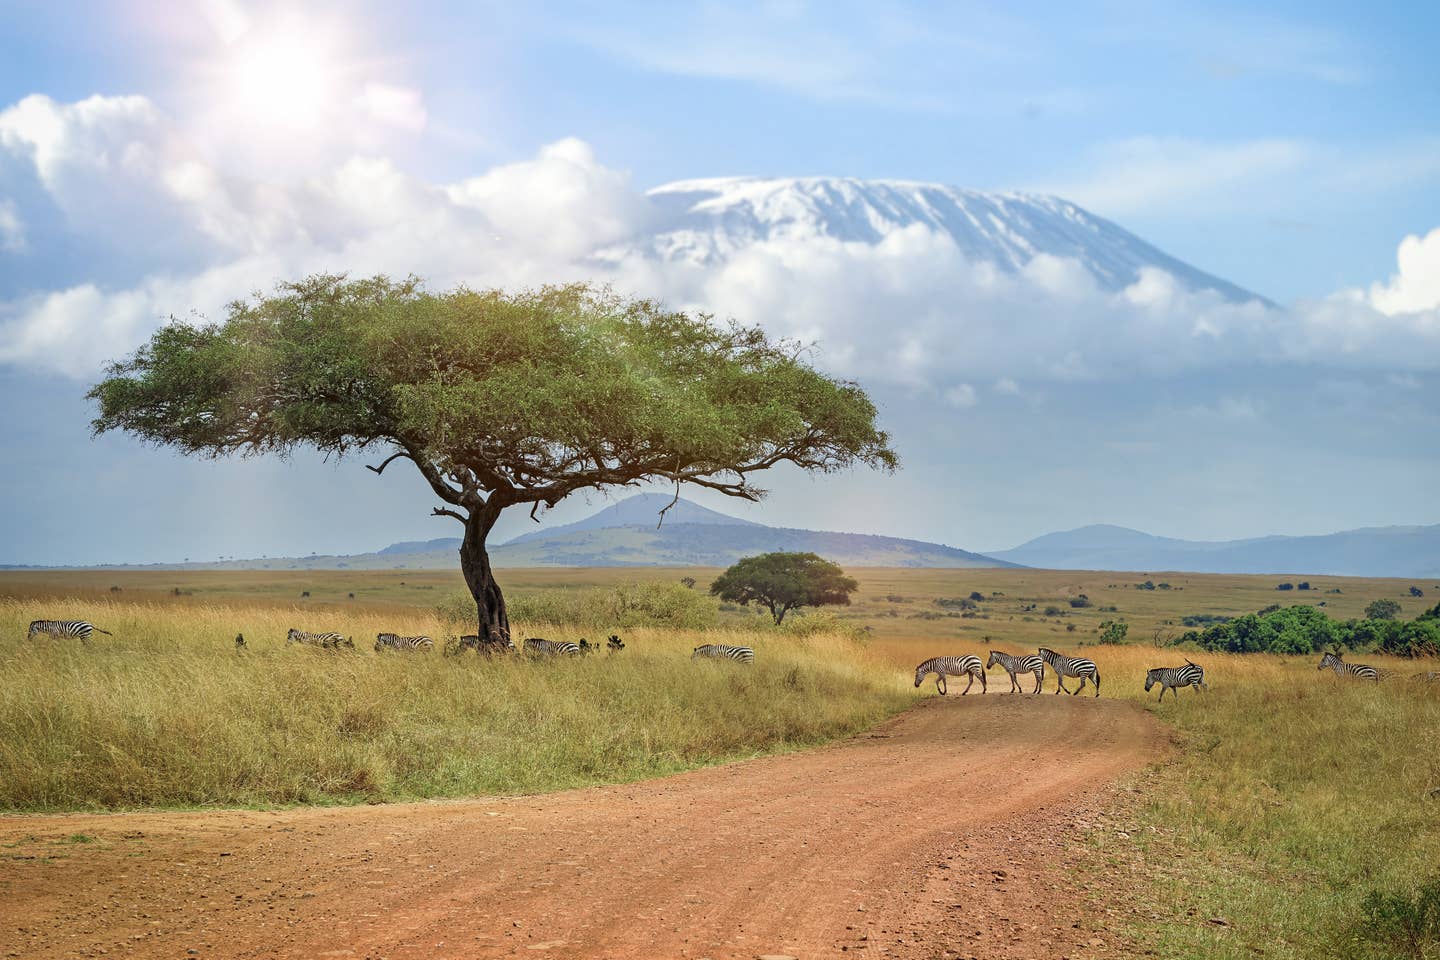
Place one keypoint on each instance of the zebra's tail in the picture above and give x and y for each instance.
(106, 632)
(1097, 683)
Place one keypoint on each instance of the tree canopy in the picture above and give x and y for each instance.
(498, 399)
(782, 582)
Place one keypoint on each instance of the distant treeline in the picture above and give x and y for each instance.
(1304, 629)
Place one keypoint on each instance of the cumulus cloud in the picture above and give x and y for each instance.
(909, 309)
(1415, 287)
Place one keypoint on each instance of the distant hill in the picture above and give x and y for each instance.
(1367, 552)
(625, 535)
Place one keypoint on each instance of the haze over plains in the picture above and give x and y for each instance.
(155, 162)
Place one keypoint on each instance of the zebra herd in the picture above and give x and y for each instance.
(1363, 671)
(1036, 663)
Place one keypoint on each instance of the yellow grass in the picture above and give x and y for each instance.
(1292, 792)
(167, 713)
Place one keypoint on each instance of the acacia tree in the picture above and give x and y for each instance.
(781, 582)
(498, 400)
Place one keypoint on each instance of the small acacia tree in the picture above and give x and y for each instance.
(782, 582)
(499, 400)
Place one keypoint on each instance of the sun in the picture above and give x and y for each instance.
(284, 79)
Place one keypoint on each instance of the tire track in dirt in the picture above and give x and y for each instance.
(934, 835)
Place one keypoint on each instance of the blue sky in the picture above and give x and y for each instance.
(1290, 149)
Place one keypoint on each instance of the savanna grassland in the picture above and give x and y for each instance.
(1291, 794)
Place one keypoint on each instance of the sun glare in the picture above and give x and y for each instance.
(283, 78)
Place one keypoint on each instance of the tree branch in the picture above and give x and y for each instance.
(447, 512)
(388, 460)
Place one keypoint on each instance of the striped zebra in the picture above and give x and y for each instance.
(1070, 667)
(1014, 665)
(551, 648)
(391, 641)
(1173, 678)
(326, 641)
(614, 644)
(954, 666)
(1361, 671)
(1430, 676)
(722, 651)
(65, 628)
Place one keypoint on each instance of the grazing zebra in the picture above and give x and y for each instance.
(390, 641)
(239, 641)
(326, 641)
(65, 628)
(1432, 676)
(1014, 665)
(722, 651)
(486, 648)
(1332, 661)
(614, 644)
(551, 648)
(1070, 667)
(1173, 678)
(955, 667)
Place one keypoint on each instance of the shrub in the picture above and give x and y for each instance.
(1285, 586)
(1385, 609)
(1303, 585)
(1054, 611)
(1113, 631)
(1080, 602)
(1416, 591)
(1147, 585)
(958, 603)
(1402, 921)
(977, 596)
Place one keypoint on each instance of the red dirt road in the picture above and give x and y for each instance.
(934, 835)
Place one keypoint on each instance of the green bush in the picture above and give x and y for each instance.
(1404, 922)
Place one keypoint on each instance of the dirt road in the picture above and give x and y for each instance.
(935, 835)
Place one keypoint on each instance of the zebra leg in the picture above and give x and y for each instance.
(1014, 683)
(940, 683)
(1039, 682)
(968, 685)
(1059, 683)
(984, 683)
(1077, 690)
(1162, 694)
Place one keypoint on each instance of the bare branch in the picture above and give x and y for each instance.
(447, 512)
(666, 509)
(387, 461)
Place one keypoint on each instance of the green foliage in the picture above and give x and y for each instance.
(1113, 631)
(498, 399)
(781, 582)
(1384, 609)
(1147, 585)
(956, 603)
(1409, 923)
(1306, 630)
(1080, 602)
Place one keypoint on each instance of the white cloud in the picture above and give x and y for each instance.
(962, 396)
(12, 228)
(1416, 285)
(910, 309)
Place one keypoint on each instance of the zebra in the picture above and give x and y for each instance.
(1332, 661)
(1014, 665)
(1173, 678)
(391, 641)
(239, 641)
(486, 648)
(551, 648)
(326, 641)
(955, 667)
(1070, 667)
(722, 651)
(65, 628)
(614, 644)
(1430, 676)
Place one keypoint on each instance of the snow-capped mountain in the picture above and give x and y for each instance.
(706, 222)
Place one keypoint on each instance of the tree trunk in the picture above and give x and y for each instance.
(480, 578)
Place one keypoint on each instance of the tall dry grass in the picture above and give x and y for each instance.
(168, 713)
(1294, 793)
